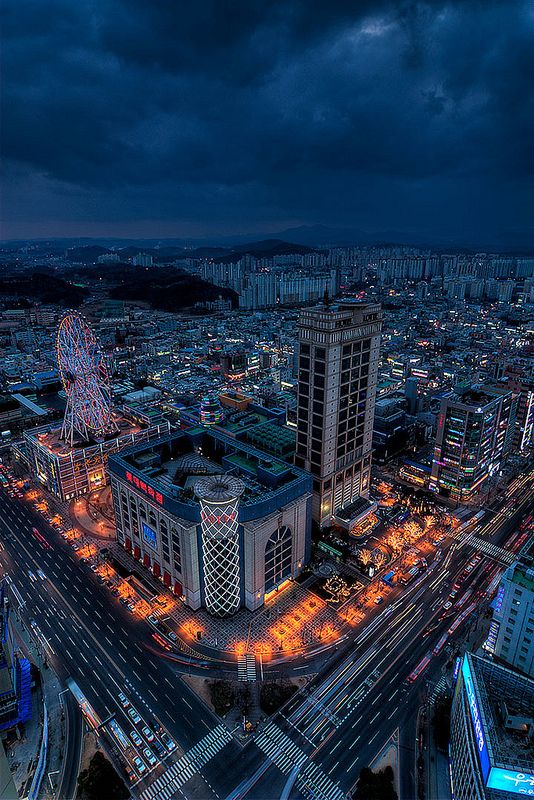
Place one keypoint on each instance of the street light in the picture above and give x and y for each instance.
(54, 772)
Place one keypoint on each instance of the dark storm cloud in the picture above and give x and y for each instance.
(228, 116)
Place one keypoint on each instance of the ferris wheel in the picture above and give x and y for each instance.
(85, 378)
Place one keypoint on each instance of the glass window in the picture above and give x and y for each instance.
(278, 552)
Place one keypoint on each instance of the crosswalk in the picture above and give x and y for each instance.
(313, 783)
(284, 753)
(441, 687)
(498, 553)
(246, 668)
(167, 784)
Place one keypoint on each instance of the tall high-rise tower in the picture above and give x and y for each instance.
(338, 367)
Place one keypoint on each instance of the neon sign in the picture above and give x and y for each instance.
(218, 519)
(145, 488)
(511, 781)
(476, 720)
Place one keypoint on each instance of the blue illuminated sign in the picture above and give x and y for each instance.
(149, 536)
(456, 668)
(476, 720)
(511, 781)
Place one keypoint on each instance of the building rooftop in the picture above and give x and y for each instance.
(174, 463)
(49, 436)
(496, 685)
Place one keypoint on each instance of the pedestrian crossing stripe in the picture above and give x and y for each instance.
(490, 549)
(314, 783)
(285, 754)
(246, 668)
(188, 765)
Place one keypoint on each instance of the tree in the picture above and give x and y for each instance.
(101, 780)
(375, 785)
(365, 556)
(441, 721)
(222, 696)
(245, 699)
(273, 695)
(379, 559)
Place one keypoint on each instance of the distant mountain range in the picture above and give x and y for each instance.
(285, 241)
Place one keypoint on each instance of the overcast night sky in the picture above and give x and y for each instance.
(160, 118)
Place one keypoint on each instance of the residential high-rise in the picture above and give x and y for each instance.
(511, 634)
(339, 348)
(523, 386)
(473, 435)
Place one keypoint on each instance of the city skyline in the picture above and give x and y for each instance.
(267, 400)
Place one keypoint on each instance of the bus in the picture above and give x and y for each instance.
(389, 577)
(440, 644)
(420, 668)
(463, 616)
(119, 734)
(85, 706)
(463, 599)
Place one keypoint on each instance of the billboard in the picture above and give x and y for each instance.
(476, 719)
(149, 536)
(511, 781)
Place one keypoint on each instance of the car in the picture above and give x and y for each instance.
(94, 567)
(157, 726)
(130, 773)
(168, 742)
(100, 579)
(123, 700)
(115, 591)
(130, 607)
(136, 739)
(150, 757)
(152, 619)
(147, 733)
(379, 600)
(172, 636)
(132, 713)
(124, 601)
(139, 765)
(83, 560)
(158, 747)
(447, 605)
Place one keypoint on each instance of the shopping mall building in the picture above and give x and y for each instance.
(70, 471)
(222, 523)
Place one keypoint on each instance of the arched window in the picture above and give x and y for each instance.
(278, 557)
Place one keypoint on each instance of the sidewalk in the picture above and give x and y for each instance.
(27, 752)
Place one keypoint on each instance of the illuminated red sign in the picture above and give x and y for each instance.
(218, 519)
(145, 488)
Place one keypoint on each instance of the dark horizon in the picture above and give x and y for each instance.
(153, 121)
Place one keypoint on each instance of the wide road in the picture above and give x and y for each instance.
(350, 710)
(90, 637)
(348, 716)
